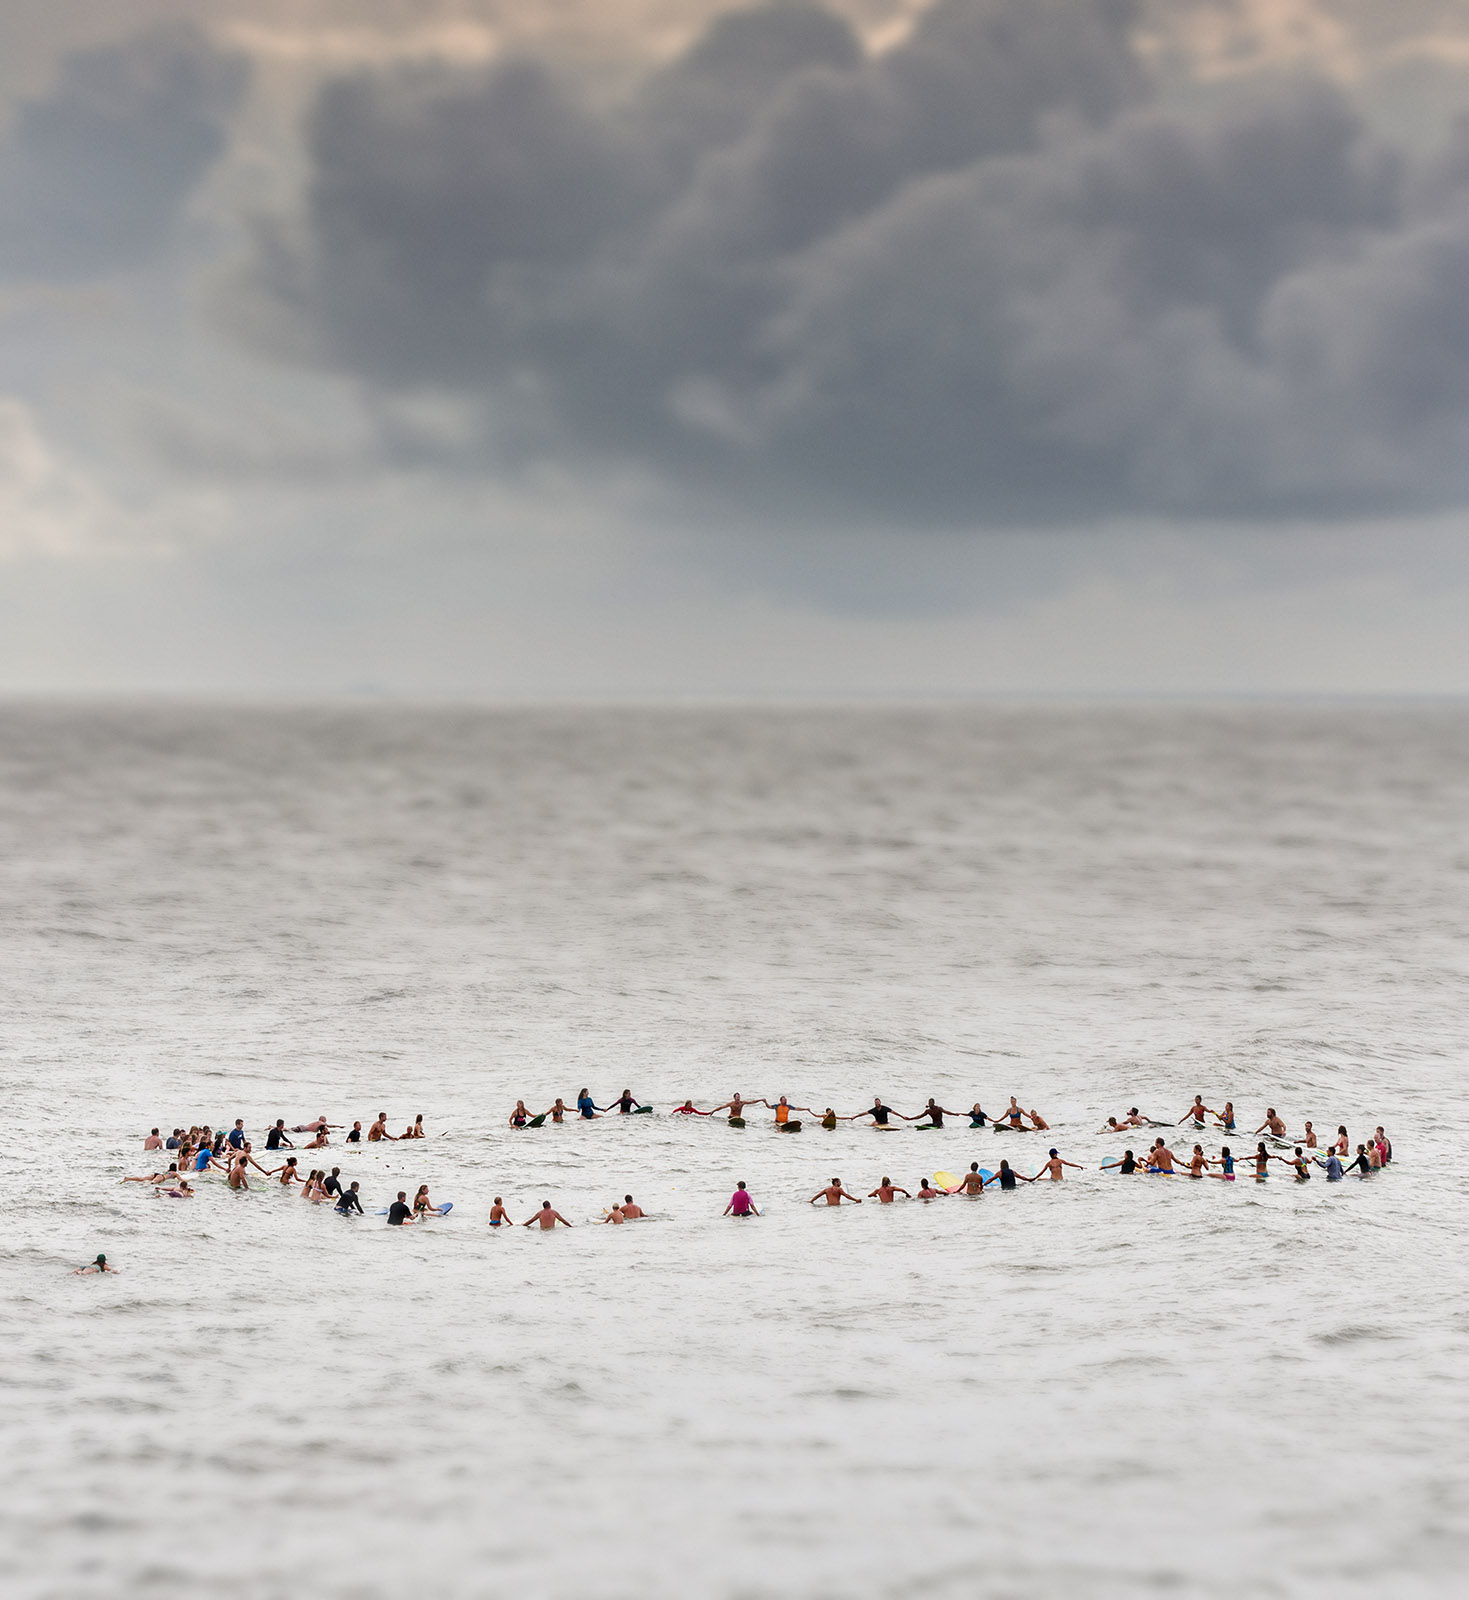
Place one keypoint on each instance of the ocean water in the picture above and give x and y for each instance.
(1086, 1388)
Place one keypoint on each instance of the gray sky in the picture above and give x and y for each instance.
(667, 347)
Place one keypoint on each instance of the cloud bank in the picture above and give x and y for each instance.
(95, 172)
(994, 274)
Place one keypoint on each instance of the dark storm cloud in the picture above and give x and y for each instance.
(94, 172)
(987, 275)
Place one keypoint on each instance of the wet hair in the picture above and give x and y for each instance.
(1130, 1156)
(101, 1260)
(740, 1184)
(402, 1194)
(1054, 1150)
(627, 1199)
(974, 1166)
(1004, 1166)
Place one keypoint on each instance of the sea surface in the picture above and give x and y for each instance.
(1100, 1387)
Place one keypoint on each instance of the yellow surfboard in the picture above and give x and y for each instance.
(946, 1181)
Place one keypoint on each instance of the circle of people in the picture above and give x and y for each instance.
(202, 1149)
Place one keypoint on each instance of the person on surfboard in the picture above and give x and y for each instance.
(1275, 1124)
(936, 1114)
(880, 1113)
(735, 1105)
(1196, 1113)
(740, 1202)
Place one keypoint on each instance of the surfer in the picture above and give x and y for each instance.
(1384, 1144)
(783, 1109)
(829, 1118)
(287, 1174)
(547, 1216)
(422, 1205)
(1301, 1164)
(972, 1182)
(1012, 1117)
(1038, 1122)
(499, 1216)
(1225, 1118)
(355, 1137)
(349, 1201)
(99, 1265)
(320, 1142)
(885, 1191)
(237, 1172)
(936, 1114)
(277, 1136)
(1360, 1161)
(557, 1113)
(614, 1215)
(880, 1113)
(926, 1191)
(379, 1130)
(1128, 1163)
(1055, 1165)
(1196, 1113)
(400, 1214)
(977, 1116)
(1006, 1177)
(153, 1141)
(1309, 1137)
(1197, 1162)
(1273, 1122)
(1262, 1159)
(236, 1135)
(586, 1107)
(630, 1211)
(1225, 1163)
(319, 1126)
(1343, 1144)
(520, 1116)
(1160, 1158)
(735, 1105)
(834, 1194)
(740, 1203)
(626, 1105)
(689, 1109)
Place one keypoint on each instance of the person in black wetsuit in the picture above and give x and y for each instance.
(977, 1117)
(277, 1136)
(625, 1103)
(348, 1201)
(400, 1214)
(333, 1184)
(880, 1113)
(1006, 1178)
(1361, 1163)
(1128, 1163)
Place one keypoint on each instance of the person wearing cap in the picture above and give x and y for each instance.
(1054, 1165)
(99, 1265)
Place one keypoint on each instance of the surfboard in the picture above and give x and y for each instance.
(642, 1111)
(736, 1122)
(945, 1181)
(986, 1174)
(788, 1127)
(535, 1122)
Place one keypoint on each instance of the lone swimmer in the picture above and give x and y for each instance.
(740, 1203)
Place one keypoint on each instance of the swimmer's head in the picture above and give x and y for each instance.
(1054, 1151)
(740, 1184)
(101, 1261)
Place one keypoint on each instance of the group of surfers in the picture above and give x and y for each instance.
(931, 1116)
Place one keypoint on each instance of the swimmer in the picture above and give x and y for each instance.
(237, 1180)
(1332, 1166)
(400, 1214)
(236, 1135)
(1343, 1144)
(379, 1130)
(936, 1114)
(740, 1203)
(278, 1136)
(1225, 1163)
(1038, 1122)
(1112, 1125)
(1262, 1159)
(1385, 1145)
(1056, 1166)
(1309, 1137)
(1196, 1113)
(422, 1205)
(1011, 1117)
(1359, 1162)
(499, 1216)
(1128, 1163)
(182, 1192)
(971, 1183)
(1006, 1177)
(586, 1107)
(1197, 1162)
(314, 1190)
(349, 1202)
(153, 1142)
(614, 1215)
(416, 1131)
(926, 1191)
(783, 1109)
(355, 1137)
(735, 1105)
(170, 1176)
(977, 1116)
(630, 1211)
(99, 1266)
(1138, 1120)
(626, 1105)
(287, 1174)
(320, 1142)
(689, 1109)
(829, 1118)
(1160, 1157)
(885, 1191)
(520, 1116)
(333, 1183)
(1274, 1123)
(547, 1217)
(319, 1126)
(880, 1113)
(1302, 1165)
(557, 1113)
(834, 1194)
(1225, 1118)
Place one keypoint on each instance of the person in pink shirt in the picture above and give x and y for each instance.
(740, 1203)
